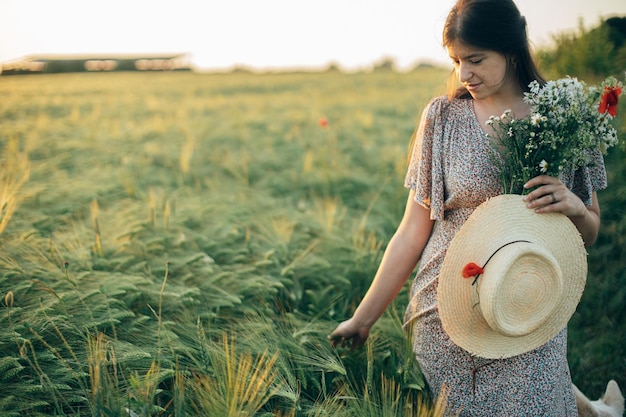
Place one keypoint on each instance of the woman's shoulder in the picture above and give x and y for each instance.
(443, 106)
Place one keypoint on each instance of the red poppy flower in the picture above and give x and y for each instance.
(608, 102)
(323, 122)
(471, 270)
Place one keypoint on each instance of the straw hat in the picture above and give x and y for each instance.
(524, 276)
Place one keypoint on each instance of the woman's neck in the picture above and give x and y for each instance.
(497, 105)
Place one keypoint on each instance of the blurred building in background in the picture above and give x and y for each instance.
(51, 64)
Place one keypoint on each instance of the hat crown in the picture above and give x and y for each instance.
(519, 289)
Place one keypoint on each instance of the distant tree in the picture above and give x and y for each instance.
(333, 67)
(420, 65)
(241, 69)
(617, 35)
(385, 64)
(617, 27)
(597, 52)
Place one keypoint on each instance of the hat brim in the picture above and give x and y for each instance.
(496, 222)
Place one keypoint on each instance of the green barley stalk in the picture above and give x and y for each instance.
(370, 368)
(152, 207)
(14, 173)
(186, 152)
(46, 383)
(96, 225)
(179, 392)
(240, 384)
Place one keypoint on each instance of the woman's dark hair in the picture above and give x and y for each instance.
(495, 25)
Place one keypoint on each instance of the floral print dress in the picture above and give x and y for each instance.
(452, 172)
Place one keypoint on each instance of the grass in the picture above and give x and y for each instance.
(182, 244)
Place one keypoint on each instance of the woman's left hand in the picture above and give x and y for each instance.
(551, 195)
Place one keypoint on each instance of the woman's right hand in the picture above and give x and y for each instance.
(351, 333)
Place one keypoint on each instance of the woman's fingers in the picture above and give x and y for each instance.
(551, 195)
(345, 335)
(548, 191)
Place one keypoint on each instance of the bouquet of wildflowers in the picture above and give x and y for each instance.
(568, 120)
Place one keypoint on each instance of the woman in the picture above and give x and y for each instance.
(449, 175)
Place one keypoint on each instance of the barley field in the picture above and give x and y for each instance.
(181, 244)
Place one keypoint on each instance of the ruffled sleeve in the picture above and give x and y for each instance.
(425, 171)
(584, 181)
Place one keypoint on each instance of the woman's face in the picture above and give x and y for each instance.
(483, 72)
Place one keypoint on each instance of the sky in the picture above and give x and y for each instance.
(265, 34)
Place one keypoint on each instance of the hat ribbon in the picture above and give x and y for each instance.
(472, 270)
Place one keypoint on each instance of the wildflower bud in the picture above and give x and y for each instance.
(8, 299)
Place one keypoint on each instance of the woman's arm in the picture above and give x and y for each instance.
(401, 256)
(552, 196)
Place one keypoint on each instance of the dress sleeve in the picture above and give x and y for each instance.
(425, 171)
(584, 181)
